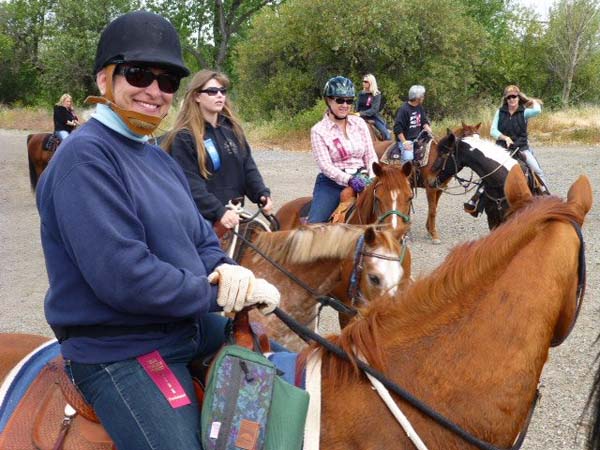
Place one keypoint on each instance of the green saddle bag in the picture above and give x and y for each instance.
(248, 406)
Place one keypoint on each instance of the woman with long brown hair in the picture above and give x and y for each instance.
(209, 144)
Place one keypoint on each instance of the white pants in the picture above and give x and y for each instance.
(534, 165)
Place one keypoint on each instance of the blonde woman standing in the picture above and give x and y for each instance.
(209, 144)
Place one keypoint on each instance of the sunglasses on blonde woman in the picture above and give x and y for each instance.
(510, 97)
(212, 91)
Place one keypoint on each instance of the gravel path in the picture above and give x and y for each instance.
(566, 379)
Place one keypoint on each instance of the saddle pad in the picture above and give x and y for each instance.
(21, 376)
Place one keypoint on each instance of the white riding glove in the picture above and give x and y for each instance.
(264, 293)
(235, 286)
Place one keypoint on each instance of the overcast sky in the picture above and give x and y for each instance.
(540, 6)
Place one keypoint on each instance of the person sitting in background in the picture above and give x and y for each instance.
(65, 119)
(208, 142)
(342, 146)
(369, 105)
(411, 119)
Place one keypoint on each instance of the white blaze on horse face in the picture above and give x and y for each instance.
(388, 272)
(394, 195)
(491, 151)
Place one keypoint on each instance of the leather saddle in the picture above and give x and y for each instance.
(42, 421)
(51, 142)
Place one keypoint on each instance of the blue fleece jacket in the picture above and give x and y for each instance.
(124, 244)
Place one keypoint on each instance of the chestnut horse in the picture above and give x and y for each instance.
(383, 201)
(470, 339)
(492, 163)
(38, 156)
(424, 177)
(326, 257)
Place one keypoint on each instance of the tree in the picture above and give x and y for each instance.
(70, 45)
(212, 27)
(573, 37)
(292, 50)
(23, 25)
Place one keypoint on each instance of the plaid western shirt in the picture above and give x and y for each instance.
(334, 152)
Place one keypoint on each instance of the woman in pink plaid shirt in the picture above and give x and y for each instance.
(342, 146)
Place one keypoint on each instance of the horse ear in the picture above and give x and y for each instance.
(370, 236)
(463, 124)
(377, 169)
(516, 188)
(407, 168)
(448, 131)
(477, 126)
(580, 193)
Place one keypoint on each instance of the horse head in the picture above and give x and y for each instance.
(466, 130)
(388, 198)
(381, 267)
(448, 162)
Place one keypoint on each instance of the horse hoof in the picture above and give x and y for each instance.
(436, 241)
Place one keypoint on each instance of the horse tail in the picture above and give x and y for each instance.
(593, 405)
(33, 179)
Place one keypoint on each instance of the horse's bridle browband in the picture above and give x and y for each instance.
(308, 335)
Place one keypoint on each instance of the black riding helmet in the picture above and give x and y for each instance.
(140, 36)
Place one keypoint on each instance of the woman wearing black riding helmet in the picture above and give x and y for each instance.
(130, 260)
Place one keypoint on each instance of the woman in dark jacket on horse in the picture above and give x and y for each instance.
(209, 144)
(369, 104)
(65, 119)
(509, 126)
(132, 265)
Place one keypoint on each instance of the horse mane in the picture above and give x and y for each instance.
(487, 145)
(310, 243)
(464, 266)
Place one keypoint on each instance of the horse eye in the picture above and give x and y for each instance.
(374, 279)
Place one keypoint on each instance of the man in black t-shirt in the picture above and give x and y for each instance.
(411, 118)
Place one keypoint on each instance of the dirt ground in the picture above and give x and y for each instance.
(557, 423)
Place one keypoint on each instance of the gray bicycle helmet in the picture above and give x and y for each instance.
(339, 87)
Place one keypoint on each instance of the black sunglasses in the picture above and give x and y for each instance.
(212, 91)
(510, 97)
(341, 100)
(142, 77)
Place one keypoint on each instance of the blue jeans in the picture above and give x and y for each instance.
(62, 134)
(382, 127)
(133, 410)
(326, 197)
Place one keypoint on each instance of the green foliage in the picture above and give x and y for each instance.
(70, 47)
(292, 51)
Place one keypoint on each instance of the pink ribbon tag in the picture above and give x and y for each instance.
(341, 150)
(164, 378)
(369, 101)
